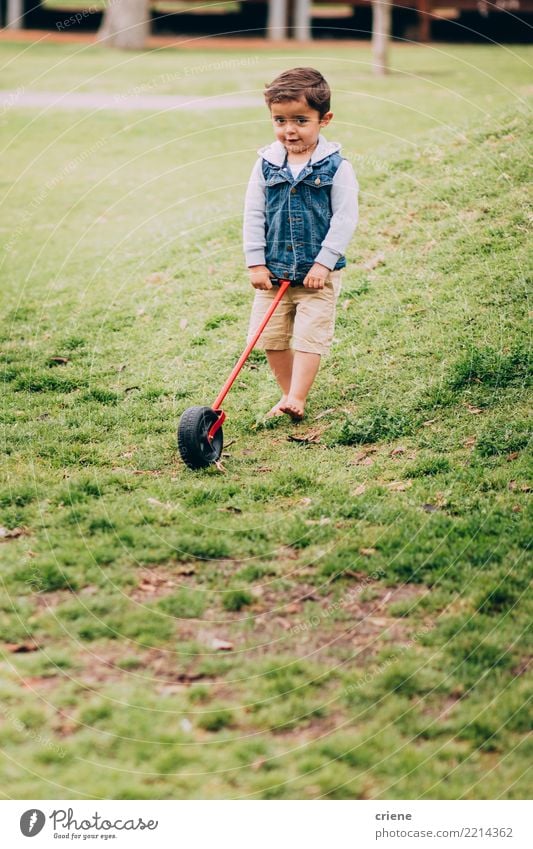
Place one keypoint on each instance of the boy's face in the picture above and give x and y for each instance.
(297, 125)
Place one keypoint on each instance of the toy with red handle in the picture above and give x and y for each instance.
(200, 439)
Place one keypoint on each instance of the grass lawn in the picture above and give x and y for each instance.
(343, 616)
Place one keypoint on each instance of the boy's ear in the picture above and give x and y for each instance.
(324, 121)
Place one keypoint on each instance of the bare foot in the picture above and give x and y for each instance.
(276, 411)
(294, 407)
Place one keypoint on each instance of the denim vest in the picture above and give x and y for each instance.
(298, 214)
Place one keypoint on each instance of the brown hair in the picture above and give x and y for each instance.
(300, 83)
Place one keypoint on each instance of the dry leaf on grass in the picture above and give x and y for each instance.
(13, 533)
(398, 486)
(157, 277)
(190, 677)
(311, 437)
(60, 361)
(374, 261)
(21, 648)
(474, 410)
(367, 552)
(221, 645)
(362, 458)
(359, 490)
(153, 502)
(310, 596)
(349, 573)
(147, 587)
(397, 451)
(324, 413)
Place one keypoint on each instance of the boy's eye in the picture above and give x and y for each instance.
(300, 121)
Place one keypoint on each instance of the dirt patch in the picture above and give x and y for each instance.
(305, 625)
(298, 622)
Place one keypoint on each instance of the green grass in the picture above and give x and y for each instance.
(340, 619)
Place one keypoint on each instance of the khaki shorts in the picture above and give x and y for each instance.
(304, 319)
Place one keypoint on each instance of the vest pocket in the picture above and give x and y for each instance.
(275, 180)
(318, 181)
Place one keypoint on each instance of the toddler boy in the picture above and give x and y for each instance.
(300, 214)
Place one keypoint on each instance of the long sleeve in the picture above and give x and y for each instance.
(345, 209)
(254, 241)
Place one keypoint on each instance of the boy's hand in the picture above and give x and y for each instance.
(317, 276)
(260, 277)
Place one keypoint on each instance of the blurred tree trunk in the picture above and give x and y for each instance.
(302, 20)
(277, 19)
(381, 30)
(14, 14)
(125, 24)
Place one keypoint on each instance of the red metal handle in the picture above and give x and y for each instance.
(283, 286)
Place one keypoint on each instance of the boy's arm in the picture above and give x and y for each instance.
(253, 231)
(345, 209)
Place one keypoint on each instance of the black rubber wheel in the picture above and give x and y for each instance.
(195, 449)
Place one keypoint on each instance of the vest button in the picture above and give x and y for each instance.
(293, 191)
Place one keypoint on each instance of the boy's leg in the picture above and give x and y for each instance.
(276, 338)
(304, 370)
(313, 334)
(280, 363)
